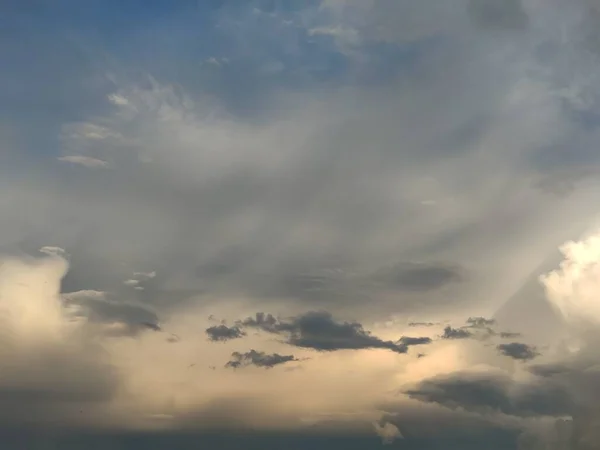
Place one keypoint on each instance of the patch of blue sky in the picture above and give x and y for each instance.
(239, 52)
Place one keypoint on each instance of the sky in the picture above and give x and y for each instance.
(285, 224)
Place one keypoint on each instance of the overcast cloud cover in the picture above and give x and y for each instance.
(300, 224)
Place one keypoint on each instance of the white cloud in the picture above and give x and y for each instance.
(388, 432)
(86, 161)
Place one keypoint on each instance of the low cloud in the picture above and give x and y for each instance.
(116, 316)
(406, 340)
(258, 359)
(221, 333)
(456, 333)
(318, 330)
(50, 364)
(518, 351)
(494, 391)
(480, 322)
(85, 161)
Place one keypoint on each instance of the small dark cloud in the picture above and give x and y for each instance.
(456, 333)
(264, 321)
(221, 333)
(151, 326)
(494, 392)
(258, 359)
(407, 340)
(480, 322)
(498, 14)
(518, 350)
(422, 324)
(319, 331)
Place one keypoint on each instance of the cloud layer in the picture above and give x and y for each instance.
(390, 204)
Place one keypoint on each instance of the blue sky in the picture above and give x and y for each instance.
(408, 188)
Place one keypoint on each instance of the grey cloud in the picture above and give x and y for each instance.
(258, 359)
(104, 308)
(517, 350)
(480, 322)
(456, 333)
(224, 333)
(494, 392)
(319, 331)
(505, 14)
(423, 324)
(406, 340)
(151, 326)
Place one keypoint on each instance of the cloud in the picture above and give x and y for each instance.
(85, 161)
(480, 322)
(319, 331)
(422, 324)
(386, 162)
(570, 288)
(456, 333)
(494, 391)
(517, 350)
(258, 359)
(388, 432)
(224, 333)
(406, 340)
(50, 365)
(117, 317)
(508, 15)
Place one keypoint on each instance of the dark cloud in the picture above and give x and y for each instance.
(494, 392)
(423, 324)
(480, 322)
(224, 333)
(407, 340)
(361, 437)
(319, 331)
(102, 308)
(517, 350)
(258, 359)
(504, 14)
(456, 333)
